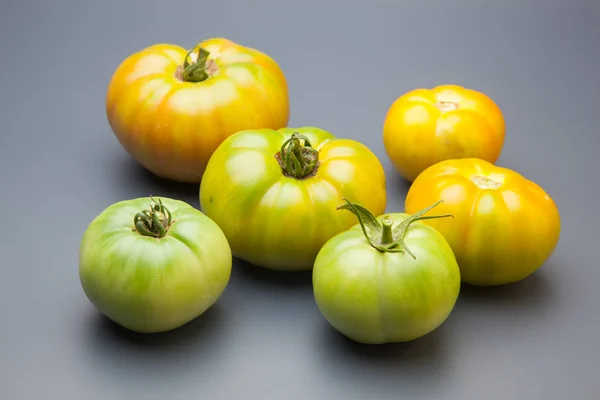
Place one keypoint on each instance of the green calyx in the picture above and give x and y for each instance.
(384, 236)
(201, 69)
(297, 158)
(154, 222)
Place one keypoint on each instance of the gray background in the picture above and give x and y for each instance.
(61, 165)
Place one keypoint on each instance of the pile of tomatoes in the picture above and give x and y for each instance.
(303, 199)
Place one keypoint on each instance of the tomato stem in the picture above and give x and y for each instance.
(384, 236)
(387, 235)
(297, 158)
(154, 222)
(201, 69)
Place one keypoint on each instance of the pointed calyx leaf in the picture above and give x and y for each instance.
(369, 224)
(384, 236)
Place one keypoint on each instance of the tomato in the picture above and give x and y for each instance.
(170, 108)
(505, 226)
(425, 126)
(153, 266)
(274, 192)
(386, 279)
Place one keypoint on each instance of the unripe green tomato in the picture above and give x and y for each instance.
(387, 279)
(153, 264)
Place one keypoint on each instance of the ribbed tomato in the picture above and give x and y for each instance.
(505, 226)
(426, 126)
(275, 193)
(386, 279)
(170, 108)
(153, 265)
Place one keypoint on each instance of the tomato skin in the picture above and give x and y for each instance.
(279, 222)
(426, 126)
(500, 234)
(170, 126)
(149, 284)
(375, 297)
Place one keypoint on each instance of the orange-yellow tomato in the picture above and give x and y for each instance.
(505, 226)
(170, 108)
(426, 126)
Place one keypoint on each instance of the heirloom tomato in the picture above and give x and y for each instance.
(425, 126)
(386, 279)
(152, 265)
(274, 193)
(505, 226)
(170, 108)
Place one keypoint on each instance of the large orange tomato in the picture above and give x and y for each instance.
(504, 227)
(426, 126)
(170, 108)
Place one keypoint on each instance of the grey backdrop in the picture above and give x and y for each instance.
(264, 339)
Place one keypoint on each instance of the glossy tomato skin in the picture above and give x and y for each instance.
(426, 126)
(171, 126)
(505, 226)
(375, 297)
(279, 222)
(148, 284)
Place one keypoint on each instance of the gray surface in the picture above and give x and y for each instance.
(264, 339)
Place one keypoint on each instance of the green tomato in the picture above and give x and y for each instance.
(153, 264)
(386, 279)
(275, 192)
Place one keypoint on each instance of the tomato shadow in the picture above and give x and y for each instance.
(397, 188)
(397, 363)
(133, 177)
(534, 292)
(106, 332)
(263, 276)
(402, 184)
(115, 351)
(425, 349)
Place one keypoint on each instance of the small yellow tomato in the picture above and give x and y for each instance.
(426, 126)
(170, 108)
(504, 227)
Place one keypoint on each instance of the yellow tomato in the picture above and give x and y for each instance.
(275, 194)
(170, 108)
(504, 227)
(426, 126)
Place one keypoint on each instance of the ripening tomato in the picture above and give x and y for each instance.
(425, 126)
(152, 265)
(170, 108)
(387, 279)
(274, 193)
(505, 226)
